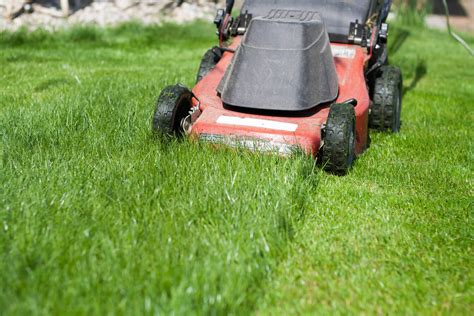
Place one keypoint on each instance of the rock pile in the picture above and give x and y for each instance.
(47, 14)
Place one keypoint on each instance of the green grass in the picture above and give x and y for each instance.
(98, 217)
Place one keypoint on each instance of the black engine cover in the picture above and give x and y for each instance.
(284, 63)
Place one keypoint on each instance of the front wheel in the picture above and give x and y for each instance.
(338, 151)
(172, 106)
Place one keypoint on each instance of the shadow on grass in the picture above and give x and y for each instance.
(45, 85)
(397, 39)
(420, 72)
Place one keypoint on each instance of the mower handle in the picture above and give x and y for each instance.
(229, 5)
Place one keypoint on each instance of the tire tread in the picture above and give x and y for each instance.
(387, 85)
(169, 106)
(335, 152)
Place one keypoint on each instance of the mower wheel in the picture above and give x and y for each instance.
(208, 62)
(386, 100)
(172, 106)
(338, 152)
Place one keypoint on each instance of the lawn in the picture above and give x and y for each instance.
(97, 216)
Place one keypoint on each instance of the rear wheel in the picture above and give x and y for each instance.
(386, 107)
(172, 106)
(208, 62)
(338, 152)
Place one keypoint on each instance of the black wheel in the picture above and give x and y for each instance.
(172, 106)
(338, 152)
(386, 105)
(208, 62)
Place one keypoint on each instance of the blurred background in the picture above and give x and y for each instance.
(51, 14)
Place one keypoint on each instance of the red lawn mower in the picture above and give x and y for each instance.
(295, 75)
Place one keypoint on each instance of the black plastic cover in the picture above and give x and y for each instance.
(284, 63)
(337, 14)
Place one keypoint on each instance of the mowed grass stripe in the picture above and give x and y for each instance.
(396, 235)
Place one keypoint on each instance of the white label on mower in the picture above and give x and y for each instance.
(254, 144)
(343, 52)
(238, 121)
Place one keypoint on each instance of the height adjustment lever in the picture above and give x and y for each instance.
(219, 19)
(357, 34)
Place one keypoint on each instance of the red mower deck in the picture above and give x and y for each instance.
(282, 134)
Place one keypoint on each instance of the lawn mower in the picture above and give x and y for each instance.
(299, 75)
